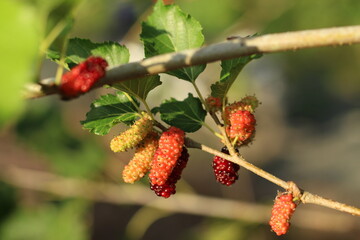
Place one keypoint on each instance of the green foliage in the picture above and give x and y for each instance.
(188, 115)
(140, 87)
(18, 56)
(109, 110)
(217, 17)
(80, 49)
(230, 70)
(43, 130)
(49, 222)
(24, 28)
(168, 29)
(56, 21)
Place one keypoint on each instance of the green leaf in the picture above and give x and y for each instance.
(19, 45)
(80, 49)
(155, 110)
(187, 115)
(109, 110)
(230, 70)
(139, 87)
(168, 29)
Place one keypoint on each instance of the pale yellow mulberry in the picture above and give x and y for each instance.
(140, 164)
(133, 136)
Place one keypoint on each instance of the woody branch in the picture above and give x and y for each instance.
(232, 48)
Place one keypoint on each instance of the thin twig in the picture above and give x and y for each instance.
(305, 197)
(315, 199)
(233, 48)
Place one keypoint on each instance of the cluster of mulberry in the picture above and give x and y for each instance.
(283, 209)
(164, 157)
(134, 135)
(82, 77)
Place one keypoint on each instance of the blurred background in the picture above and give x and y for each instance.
(58, 181)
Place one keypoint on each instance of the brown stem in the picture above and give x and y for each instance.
(233, 48)
(315, 199)
(304, 196)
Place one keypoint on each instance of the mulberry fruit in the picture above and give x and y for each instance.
(242, 126)
(133, 136)
(169, 150)
(248, 103)
(226, 172)
(214, 103)
(140, 164)
(283, 209)
(169, 187)
(82, 77)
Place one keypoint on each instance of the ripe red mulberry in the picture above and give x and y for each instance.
(248, 103)
(169, 150)
(226, 172)
(140, 164)
(169, 187)
(283, 209)
(133, 136)
(242, 126)
(82, 77)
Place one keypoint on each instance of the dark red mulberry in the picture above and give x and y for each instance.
(226, 172)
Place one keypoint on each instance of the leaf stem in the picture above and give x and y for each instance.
(132, 101)
(212, 130)
(147, 108)
(200, 95)
(234, 141)
(60, 68)
(207, 109)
